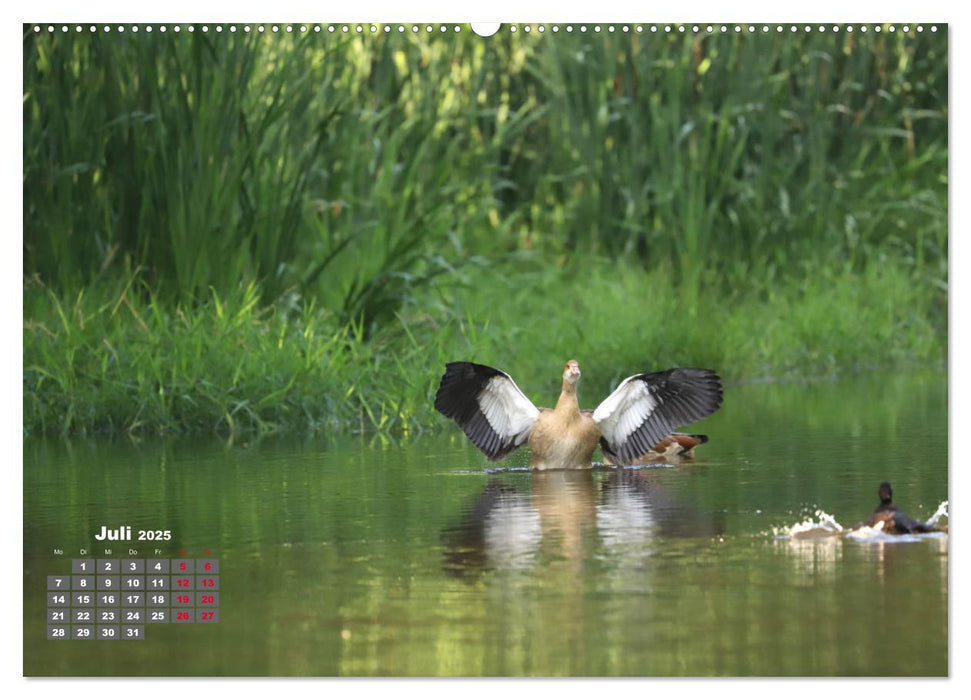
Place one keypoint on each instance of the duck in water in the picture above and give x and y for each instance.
(895, 521)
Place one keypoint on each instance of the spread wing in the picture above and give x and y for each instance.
(486, 403)
(645, 408)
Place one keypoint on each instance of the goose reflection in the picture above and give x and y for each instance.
(561, 518)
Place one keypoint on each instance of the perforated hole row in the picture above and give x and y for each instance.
(511, 28)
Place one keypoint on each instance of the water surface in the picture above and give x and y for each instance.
(366, 556)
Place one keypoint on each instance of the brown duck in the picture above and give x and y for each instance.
(631, 425)
(895, 521)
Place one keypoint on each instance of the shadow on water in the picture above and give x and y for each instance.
(511, 525)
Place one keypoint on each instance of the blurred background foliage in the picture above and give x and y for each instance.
(772, 203)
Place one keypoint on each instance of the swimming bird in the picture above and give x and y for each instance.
(895, 521)
(634, 421)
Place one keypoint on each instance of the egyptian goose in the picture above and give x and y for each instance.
(895, 521)
(636, 419)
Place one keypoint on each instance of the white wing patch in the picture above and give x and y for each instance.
(507, 409)
(625, 410)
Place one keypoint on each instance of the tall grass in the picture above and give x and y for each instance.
(317, 168)
(196, 204)
(338, 166)
(733, 156)
(124, 362)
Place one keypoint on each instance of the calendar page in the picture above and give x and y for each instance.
(508, 349)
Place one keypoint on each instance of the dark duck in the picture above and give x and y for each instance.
(895, 521)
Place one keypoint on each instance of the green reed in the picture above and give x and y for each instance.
(333, 165)
(772, 204)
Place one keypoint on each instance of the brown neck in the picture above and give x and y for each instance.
(567, 402)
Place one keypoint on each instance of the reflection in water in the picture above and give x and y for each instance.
(817, 545)
(563, 511)
(638, 494)
(813, 559)
(497, 529)
(332, 553)
(567, 505)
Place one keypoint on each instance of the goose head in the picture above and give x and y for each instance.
(571, 373)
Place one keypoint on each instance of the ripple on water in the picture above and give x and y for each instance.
(597, 466)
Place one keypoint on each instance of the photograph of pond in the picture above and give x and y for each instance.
(563, 350)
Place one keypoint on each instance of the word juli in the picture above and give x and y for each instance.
(123, 533)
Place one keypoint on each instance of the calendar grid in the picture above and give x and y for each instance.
(119, 598)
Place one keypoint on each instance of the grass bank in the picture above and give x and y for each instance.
(114, 359)
(246, 232)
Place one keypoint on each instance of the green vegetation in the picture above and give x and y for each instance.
(245, 232)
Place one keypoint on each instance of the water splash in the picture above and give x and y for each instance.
(820, 525)
(824, 525)
(941, 512)
(867, 533)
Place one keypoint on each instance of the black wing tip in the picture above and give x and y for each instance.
(459, 385)
(707, 380)
(688, 394)
(705, 376)
(466, 366)
(684, 374)
(456, 399)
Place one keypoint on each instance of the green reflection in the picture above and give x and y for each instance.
(371, 558)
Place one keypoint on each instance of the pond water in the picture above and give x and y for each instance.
(416, 557)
